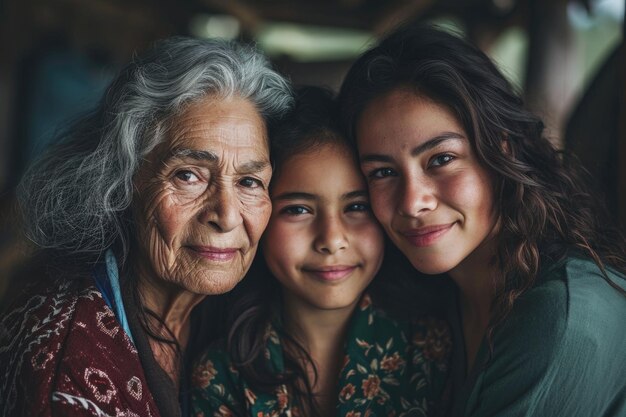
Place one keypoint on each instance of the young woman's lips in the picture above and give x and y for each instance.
(215, 254)
(426, 236)
(331, 273)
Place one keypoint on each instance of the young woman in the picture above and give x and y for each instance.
(466, 186)
(305, 338)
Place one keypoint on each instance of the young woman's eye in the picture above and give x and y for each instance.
(382, 173)
(440, 160)
(358, 207)
(295, 210)
(250, 182)
(187, 176)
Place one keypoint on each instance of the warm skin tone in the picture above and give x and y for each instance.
(200, 207)
(324, 247)
(433, 197)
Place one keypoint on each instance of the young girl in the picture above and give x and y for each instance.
(305, 338)
(466, 186)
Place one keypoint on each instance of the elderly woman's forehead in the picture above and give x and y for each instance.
(233, 105)
(216, 114)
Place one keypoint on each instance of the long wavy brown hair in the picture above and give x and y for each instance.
(546, 209)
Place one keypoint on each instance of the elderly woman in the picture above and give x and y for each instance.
(146, 206)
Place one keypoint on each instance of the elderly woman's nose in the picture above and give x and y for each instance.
(223, 210)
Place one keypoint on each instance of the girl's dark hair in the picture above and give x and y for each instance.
(253, 304)
(545, 208)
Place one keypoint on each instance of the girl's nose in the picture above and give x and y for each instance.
(331, 236)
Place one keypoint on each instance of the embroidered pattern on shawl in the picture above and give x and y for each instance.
(64, 353)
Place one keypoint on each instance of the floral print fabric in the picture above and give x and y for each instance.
(391, 369)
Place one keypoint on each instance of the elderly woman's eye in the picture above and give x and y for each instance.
(187, 176)
(249, 182)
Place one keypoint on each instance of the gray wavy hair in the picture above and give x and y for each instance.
(75, 198)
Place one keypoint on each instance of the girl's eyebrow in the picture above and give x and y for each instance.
(355, 194)
(429, 144)
(295, 196)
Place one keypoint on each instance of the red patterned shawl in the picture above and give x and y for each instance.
(63, 353)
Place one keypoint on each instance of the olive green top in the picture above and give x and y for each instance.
(560, 352)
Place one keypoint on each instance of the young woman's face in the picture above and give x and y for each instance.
(426, 185)
(322, 242)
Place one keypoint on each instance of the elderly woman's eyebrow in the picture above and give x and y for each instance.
(252, 167)
(195, 154)
(180, 153)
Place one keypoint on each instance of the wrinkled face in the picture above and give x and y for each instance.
(427, 187)
(322, 242)
(202, 200)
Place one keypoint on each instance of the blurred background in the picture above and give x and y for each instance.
(566, 57)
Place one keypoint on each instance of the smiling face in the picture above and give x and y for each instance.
(322, 242)
(202, 199)
(426, 185)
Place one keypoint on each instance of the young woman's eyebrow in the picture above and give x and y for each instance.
(437, 140)
(429, 144)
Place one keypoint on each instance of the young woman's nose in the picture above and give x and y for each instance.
(331, 235)
(415, 197)
(223, 210)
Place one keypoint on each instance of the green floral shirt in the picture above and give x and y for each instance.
(391, 369)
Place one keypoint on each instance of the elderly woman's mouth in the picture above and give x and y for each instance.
(214, 253)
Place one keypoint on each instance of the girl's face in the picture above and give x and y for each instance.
(427, 187)
(322, 242)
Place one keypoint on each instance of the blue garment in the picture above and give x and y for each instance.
(106, 276)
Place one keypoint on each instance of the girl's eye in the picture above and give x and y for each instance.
(295, 210)
(187, 176)
(250, 182)
(382, 173)
(358, 207)
(440, 160)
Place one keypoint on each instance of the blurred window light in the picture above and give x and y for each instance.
(601, 12)
(308, 43)
(214, 26)
(509, 53)
(504, 6)
(597, 33)
(609, 8)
